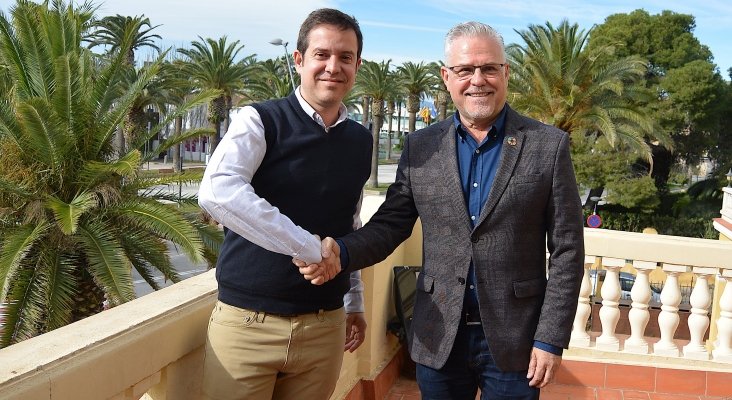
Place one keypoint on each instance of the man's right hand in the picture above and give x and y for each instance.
(328, 268)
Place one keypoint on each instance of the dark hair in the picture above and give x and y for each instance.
(328, 16)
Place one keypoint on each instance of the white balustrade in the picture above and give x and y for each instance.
(698, 321)
(580, 338)
(668, 319)
(723, 350)
(639, 315)
(609, 312)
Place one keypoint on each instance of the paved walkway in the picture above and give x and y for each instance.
(387, 173)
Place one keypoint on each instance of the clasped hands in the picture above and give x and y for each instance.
(328, 267)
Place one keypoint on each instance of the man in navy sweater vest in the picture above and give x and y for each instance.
(288, 172)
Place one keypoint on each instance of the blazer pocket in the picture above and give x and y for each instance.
(529, 287)
(425, 283)
(529, 178)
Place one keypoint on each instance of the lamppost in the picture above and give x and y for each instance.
(147, 139)
(279, 42)
(729, 178)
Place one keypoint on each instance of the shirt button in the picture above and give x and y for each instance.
(472, 217)
(477, 151)
(461, 280)
(475, 184)
(472, 286)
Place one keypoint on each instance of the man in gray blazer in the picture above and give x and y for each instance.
(493, 189)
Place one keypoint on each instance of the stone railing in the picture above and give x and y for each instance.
(727, 205)
(706, 263)
(151, 348)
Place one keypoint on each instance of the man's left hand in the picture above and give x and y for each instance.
(542, 367)
(355, 331)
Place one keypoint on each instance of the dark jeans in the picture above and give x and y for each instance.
(469, 367)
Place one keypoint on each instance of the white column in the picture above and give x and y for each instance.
(668, 319)
(723, 350)
(698, 319)
(609, 312)
(580, 338)
(639, 315)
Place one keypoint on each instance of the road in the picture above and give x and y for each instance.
(180, 261)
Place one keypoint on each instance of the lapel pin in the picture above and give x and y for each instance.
(511, 141)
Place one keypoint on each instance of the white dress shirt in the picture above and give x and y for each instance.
(227, 195)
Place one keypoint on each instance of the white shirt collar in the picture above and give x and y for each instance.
(342, 112)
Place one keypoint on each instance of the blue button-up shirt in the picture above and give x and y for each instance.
(477, 165)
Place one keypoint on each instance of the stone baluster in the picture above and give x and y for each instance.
(723, 350)
(609, 312)
(638, 316)
(580, 338)
(699, 319)
(668, 319)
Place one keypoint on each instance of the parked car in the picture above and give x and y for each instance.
(626, 285)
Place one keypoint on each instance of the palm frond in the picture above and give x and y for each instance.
(93, 171)
(60, 284)
(149, 253)
(23, 313)
(16, 245)
(67, 215)
(165, 222)
(107, 262)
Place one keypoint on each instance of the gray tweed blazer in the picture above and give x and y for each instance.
(533, 205)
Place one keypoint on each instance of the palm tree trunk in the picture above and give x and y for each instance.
(412, 109)
(399, 118)
(441, 102)
(120, 142)
(390, 114)
(373, 181)
(89, 300)
(213, 140)
(365, 116)
(176, 149)
(377, 112)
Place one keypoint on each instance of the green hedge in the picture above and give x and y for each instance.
(665, 225)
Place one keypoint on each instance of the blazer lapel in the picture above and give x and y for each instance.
(513, 141)
(447, 159)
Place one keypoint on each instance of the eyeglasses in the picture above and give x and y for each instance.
(464, 72)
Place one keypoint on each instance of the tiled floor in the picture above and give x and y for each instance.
(405, 388)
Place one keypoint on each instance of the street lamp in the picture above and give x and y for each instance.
(279, 42)
(149, 115)
(729, 178)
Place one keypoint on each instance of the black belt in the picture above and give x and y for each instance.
(471, 318)
(293, 315)
(284, 315)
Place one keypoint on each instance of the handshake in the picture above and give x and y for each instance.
(328, 267)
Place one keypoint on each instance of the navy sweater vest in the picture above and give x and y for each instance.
(315, 179)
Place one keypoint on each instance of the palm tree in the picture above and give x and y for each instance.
(74, 219)
(124, 34)
(417, 81)
(439, 91)
(175, 89)
(269, 80)
(374, 80)
(559, 81)
(556, 80)
(211, 64)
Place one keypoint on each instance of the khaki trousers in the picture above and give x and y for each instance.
(252, 356)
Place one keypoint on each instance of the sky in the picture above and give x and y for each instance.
(400, 30)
